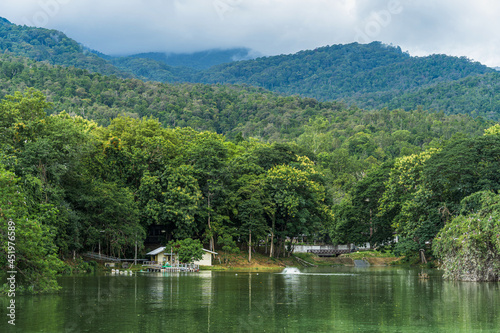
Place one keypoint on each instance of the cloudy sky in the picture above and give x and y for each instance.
(121, 27)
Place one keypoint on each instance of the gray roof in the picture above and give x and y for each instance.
(161, 249)
(155, 252)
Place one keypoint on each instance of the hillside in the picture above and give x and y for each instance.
(343, 71)
(232, 110)
(229, 165)
(477, 95)
(198, 60)
(53, 47)
(371, 76)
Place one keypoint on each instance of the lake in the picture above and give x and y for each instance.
(343, 299)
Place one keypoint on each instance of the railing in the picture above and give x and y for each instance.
(155, 265)
(104, 257)
(329, 252)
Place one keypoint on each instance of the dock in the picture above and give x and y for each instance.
(153, 266)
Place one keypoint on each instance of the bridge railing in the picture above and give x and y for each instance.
(104, 257)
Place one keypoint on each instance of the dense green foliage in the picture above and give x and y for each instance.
(197, 60)
(371, 76)
(477, 95)
(469, 246)
(97, 162)
(188, 250)
(230, 110)
(343, 71)
(51, 46)
(95, 187)
(88, 187)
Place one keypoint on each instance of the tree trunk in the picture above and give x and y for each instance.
(250, 245)
(135, 254)
(209, 226)
(271, 252)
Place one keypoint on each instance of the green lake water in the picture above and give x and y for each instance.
(345, 299)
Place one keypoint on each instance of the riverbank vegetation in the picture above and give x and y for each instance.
(90, 162)
(71, 185)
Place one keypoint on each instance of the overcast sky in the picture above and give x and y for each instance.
(270, 27)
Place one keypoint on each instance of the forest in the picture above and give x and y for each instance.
(70, 184)
(90, 160)
(370, 76)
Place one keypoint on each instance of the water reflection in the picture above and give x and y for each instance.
(323, 299)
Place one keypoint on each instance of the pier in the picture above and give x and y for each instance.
(154, 266)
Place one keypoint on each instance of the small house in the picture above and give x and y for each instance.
(160, 256)
(206, 260)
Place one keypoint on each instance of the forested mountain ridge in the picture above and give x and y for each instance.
(198, 60)
(53, 47)
(343, 71)
(477, 95)
(371, 76)
(225, 109)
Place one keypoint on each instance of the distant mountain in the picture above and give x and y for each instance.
(343, 71)
(371, 76)
(234, 111)
(53, 47)
(153, 70)
(177, 67)
(496, 68)
(476, 95)
(199, 60)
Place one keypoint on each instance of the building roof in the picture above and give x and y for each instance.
(155, 252)
(161, 249)
(210, 251)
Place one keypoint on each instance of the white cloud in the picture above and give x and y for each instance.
(459, 27)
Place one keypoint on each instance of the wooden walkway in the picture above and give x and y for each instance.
(152, 266)
(103, 257)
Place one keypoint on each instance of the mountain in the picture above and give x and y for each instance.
(343, 71)
(371, 76)
(53, 47)
(198, 60)
(477, 95)
(226, 109)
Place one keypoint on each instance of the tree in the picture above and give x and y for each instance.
(171, 199)
(356, 219)
(207, 153)
(228, 245)
(409, 203)
(253, 207)
(111, 217)
(462, 168)
(27, 245)
(299, 200)
(188, 250)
